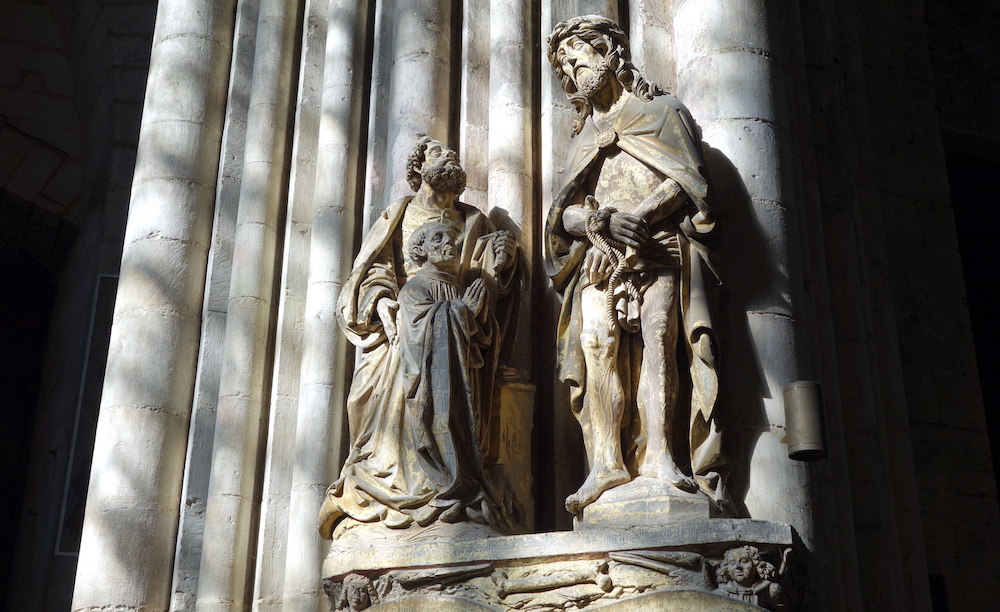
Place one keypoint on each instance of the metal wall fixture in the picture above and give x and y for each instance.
(805, 429)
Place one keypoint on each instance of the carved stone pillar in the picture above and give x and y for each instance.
(324, 351)
(419, 100)
(732, 67)
(225, 561)
(130, 528)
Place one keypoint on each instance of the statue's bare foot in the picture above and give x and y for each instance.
(664, 470)
(599, 481)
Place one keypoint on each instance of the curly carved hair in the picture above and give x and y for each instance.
(610, 41)
(415, 161)
(765, 569)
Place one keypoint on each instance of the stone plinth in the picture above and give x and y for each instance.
(667, 567)
(643, 502)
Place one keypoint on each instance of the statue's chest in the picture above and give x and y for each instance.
(622, 181)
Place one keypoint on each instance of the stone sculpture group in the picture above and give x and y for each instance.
(432, 322)
(433, 303)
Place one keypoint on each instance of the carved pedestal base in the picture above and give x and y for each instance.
(669, 567)
(643, 502)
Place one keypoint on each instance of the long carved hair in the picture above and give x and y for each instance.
(610, 41)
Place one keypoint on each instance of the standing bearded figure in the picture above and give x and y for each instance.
(420, 410)
(625, 246)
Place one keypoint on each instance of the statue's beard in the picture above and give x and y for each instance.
(598, 78)
(445, 175)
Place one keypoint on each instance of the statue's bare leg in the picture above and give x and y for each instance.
(604, 402)
(659, 380)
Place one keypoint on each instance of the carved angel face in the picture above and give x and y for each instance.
(583, 64)
(741, 567)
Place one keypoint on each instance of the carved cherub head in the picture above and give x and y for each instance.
(436, 164)
(434, 244)
(357, 593)
(586, 51)
(745, 567)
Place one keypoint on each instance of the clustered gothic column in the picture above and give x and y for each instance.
(419, 86)
(319, 424)
(131, 521)
(225, 561)
(733, 73)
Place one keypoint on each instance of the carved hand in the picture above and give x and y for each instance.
(387, 309)
(475, 296)
(628, 229)
(596, 266)
(504, 247)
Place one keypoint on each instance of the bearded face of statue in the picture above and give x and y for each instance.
(585, 66)
(441, 169)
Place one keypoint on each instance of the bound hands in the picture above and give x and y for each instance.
(625, 228)
(628, 229)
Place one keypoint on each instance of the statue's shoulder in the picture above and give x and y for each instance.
(475, 217)
(396, 209)
(663, 103)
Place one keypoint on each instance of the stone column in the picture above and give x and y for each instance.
(420, 86)
(279, 462)
(510, 163)
(197, 465)
(652, 36)
(474, 125)
(733, 73)
(607, 8)
(376, 181)
(130, 528)
(319, 429)
(512, 207)
(229, 520)
(561, 446)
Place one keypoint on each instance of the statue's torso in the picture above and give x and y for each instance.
(621, 181)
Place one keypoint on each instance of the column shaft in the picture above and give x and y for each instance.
(734, 76)
(474, 126)
(229, 520)
(319, 431)
(419, 86)
(561, 446)
(130, 528)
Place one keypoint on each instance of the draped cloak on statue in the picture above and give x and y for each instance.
(419, 411)
(662, 135)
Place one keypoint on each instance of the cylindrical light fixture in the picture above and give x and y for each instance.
(805, 431)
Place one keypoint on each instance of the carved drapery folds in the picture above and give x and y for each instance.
(432, 301)
(627, 249)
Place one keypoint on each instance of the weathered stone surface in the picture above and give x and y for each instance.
(435, 320)
(434, 550)
(644, 501)
(617, 567)
(627, 246)
(669, 601)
